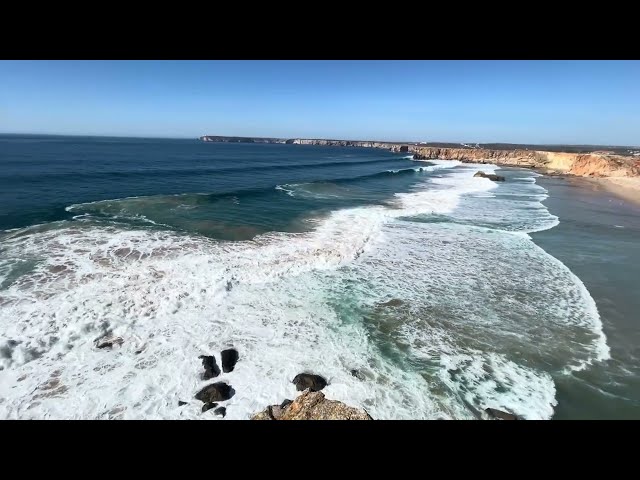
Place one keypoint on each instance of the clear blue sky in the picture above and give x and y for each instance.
(579, 102)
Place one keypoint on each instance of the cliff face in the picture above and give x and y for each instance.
(521, 158)
(340, 143)
(593, 164)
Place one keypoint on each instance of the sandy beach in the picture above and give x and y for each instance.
(623, 187)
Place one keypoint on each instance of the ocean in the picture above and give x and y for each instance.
(448, 293)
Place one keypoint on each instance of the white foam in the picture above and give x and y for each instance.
(173, 297)
(491, 381)
(287, 189)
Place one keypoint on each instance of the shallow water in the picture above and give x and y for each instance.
(290, 254)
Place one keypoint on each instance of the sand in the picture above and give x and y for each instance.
(624, 187)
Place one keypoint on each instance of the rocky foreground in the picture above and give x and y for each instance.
(311, 405)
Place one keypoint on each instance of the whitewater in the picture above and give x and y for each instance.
(473, 291)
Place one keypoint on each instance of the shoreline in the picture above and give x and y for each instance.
(626, 188)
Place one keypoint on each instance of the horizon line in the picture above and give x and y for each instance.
(313, 138)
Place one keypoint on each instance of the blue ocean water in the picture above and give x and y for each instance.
(192, 184)
(419, 275)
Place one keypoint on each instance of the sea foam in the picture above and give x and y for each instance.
(294, 302)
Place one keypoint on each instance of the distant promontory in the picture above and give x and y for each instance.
(580, 160)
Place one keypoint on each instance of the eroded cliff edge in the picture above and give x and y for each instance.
(586, 165)
(593, 164)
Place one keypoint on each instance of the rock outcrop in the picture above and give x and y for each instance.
(108, 341)
(229, 359)
(312, 406)
(216, 392)
(211, 369)
(490, 176)
(208, 406)
(313, 382)
(500, 415)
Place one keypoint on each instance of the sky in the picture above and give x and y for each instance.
(552, 102)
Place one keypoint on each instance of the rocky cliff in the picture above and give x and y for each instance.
(592, 164)
(342, 143)
(311, 406)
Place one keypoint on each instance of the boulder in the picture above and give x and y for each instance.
(394, 302)
(211, 370)
(216, 392)
(229, 359)
(108, 341)
(220, 411)
(499, 414)
(312, 406)
(209, 406)
(490, 176)
(286, 402)
(313, 382)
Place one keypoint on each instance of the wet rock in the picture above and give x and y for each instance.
(221, 412)
(275, 411)
(108, 341)
(286, 402)
(216, 392)
(181, 403)
(358, 374)
(303, 381)
(490, 176)
(211, 369)
(394, 302)
(312, 406)
(499, 414)
(208, 406)
(229, 359)
(264, 415)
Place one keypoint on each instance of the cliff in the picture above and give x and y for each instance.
(300, 141)
(593, 164)
(586, 165)
(311, 406)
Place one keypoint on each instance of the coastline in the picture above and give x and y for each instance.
(627, 188)
(597, 240)
(608, 169)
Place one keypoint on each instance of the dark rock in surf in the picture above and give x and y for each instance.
(286, 402)
(209, 406)
(358, 374)
(394, 302)
(303, 381)
(229, 359)
(108, 341)
(490, 176)
(216, 392)
(211, 370)
(499, 414)
(221, 412)
(181, 403)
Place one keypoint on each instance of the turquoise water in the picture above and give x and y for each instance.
(421, 276)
